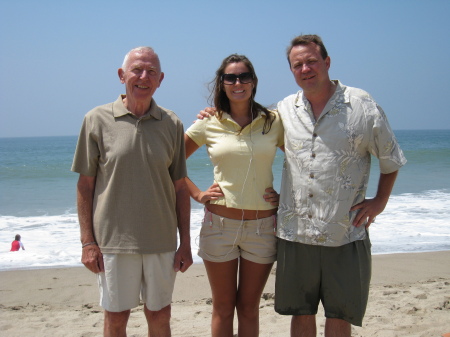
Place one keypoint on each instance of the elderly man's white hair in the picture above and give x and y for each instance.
(138, 49)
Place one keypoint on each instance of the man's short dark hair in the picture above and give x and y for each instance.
(305, 40)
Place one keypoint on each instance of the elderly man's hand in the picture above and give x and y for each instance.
(92, 258)
(183, 258)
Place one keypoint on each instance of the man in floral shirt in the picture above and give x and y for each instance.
(331, 131)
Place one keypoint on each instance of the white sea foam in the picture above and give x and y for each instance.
(410, 223)
(413, 222)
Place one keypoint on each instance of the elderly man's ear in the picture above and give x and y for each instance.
(120, 73)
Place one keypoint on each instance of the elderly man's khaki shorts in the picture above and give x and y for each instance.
(127, 276)
(337, 276)
(223, 239)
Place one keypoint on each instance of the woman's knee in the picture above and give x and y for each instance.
(248, 310)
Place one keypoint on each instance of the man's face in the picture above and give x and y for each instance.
(142, 76)
(309, 68)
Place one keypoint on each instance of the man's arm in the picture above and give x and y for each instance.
(91, 256)
(183, 256)
(370, 208)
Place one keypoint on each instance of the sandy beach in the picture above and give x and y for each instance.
(410, 296)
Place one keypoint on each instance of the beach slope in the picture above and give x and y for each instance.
(410, 296)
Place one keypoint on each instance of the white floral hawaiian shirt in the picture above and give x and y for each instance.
(327, 165)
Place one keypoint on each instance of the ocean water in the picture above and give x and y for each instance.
(38, 199)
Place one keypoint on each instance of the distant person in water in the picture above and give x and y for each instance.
(16, 244)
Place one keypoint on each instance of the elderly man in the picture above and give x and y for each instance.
(331, 131)
(132, 197)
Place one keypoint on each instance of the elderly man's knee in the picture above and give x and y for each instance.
(115, 323)
(160, 316)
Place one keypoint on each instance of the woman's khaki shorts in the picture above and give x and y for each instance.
(127, 276)
(223, 239)
(337, 276)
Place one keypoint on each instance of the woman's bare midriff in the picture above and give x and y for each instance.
(239, 214)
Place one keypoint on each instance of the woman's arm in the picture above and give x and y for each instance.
(213, 192)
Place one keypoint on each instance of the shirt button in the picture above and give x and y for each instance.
(313, 155)
(311, 175)
(311, 195)
(310, 216)
(314, 134)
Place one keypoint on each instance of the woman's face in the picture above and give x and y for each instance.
(238, 92)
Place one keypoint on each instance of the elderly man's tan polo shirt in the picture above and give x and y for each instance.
(135, 161)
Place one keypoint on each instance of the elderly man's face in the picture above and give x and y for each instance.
(142, 76)
(309, 68)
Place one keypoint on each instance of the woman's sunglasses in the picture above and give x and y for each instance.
(230, 79)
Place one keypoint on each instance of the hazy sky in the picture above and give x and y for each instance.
(59, 59)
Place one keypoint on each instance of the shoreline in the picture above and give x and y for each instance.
(201, 263)
(410, 296)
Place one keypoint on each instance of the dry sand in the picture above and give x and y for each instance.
(410, 296)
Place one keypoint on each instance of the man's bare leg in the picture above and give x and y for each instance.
(115, 324)
(158, 322)
(303, 326)
(335, 327)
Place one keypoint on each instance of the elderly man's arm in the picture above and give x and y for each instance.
(183, 256)
(370, 208)
(91, 256)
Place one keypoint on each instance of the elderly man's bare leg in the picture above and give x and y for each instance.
(116, 323)
(158, 322)
(303, 326)
(337, 328)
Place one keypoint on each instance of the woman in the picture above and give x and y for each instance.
(238, 230)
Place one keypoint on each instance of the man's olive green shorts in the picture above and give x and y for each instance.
(337, 276)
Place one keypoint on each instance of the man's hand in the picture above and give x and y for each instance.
(183, 258)
(91, 255)
(206, 113)
(272, 196)
(368, 210)
(92, 258)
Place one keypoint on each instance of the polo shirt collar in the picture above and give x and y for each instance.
(227, 116)
(119, 109)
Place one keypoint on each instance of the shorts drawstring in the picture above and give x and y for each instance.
(207, 212)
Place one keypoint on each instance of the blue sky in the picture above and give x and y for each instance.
(59, 58)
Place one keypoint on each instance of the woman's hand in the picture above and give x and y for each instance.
(272, 196)
(214, 192)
